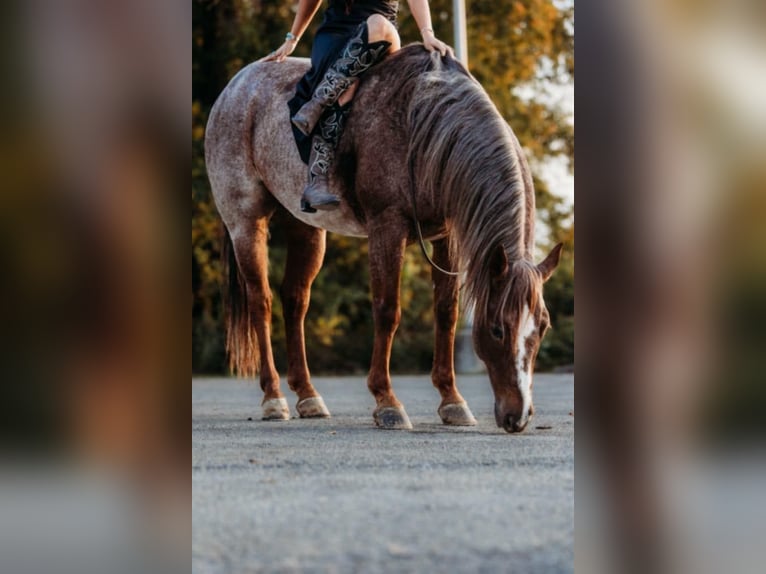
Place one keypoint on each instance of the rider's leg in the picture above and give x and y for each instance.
(372, 40)
(333, 116)
(317, 195)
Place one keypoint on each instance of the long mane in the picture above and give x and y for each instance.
(464, 159)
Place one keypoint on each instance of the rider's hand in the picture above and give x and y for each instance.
(432, 43)
(281, 53)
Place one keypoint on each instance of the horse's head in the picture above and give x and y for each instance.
(508, 336)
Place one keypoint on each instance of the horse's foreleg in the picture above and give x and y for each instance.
(387, 244)
(453, 409)
(305, 251)
(252, 255)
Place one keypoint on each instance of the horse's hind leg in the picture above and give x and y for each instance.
(251, 250)
(305, 252)
(453, 409)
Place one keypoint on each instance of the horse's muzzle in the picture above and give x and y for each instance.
(515, 424)
(510, 422)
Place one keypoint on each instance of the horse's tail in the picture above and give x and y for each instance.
(241, 339)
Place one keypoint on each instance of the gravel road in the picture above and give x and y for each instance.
(339, 495)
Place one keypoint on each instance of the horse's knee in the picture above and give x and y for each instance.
(379, 28)
(259, 300)
(294, 305)
(387, 315)
(446, 315)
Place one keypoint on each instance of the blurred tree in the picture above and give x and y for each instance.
(512, 45)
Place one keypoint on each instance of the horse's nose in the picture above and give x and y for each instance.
(512, 422)
(515, 423)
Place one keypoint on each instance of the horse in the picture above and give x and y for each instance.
(425, 156)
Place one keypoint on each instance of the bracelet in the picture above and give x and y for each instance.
(290, 37)
(426, 29)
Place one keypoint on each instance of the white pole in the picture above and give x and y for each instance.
(466, 360)
(461, 36)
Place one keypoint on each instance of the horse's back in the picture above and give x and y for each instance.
(247, 111)
(250, 149)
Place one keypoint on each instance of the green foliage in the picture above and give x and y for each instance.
(511, 44)
(557, 347)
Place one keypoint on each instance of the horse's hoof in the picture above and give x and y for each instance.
(312, 408)
(276, 410)
(392, 418)
(457, 414)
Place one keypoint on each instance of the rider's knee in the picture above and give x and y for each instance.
(379, 28)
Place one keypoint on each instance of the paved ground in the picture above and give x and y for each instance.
(338, 495)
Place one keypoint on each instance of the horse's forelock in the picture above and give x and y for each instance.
(525, 287)
(521, 289)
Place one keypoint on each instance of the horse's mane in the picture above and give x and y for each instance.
(463, 158)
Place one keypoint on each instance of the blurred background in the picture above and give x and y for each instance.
(94, 325)
(671, 196)
(94, 398)
(521, 52)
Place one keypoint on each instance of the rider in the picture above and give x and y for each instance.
(355, 35)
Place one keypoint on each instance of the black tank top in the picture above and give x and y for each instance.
(341, 8)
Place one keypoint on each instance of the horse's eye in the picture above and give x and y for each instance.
(497, 332)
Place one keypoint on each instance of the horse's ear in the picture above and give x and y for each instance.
(549, 264)
(498, 263)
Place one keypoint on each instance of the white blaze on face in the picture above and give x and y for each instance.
(524, 376)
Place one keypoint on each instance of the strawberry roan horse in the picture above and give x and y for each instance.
(423, 143)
